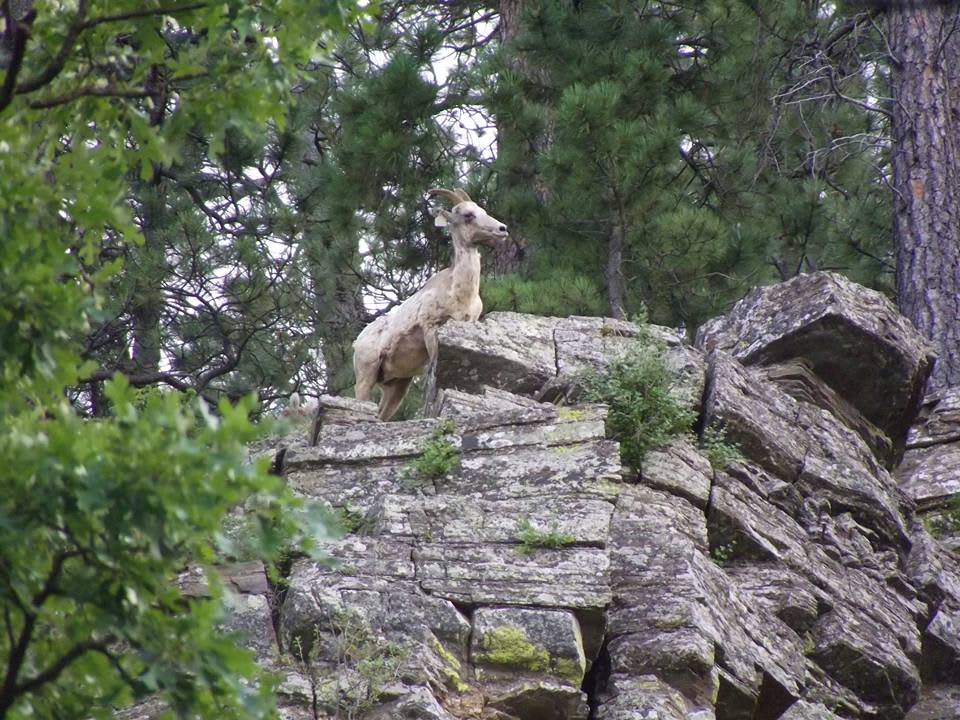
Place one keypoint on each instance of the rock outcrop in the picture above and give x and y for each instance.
(500, 563)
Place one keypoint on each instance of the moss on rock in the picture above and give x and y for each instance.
(509, 646)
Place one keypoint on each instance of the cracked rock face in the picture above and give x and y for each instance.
(930, 471)
(544, 358)
(530, 578)
(853, 339)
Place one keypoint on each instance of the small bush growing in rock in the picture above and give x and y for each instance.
(530, 538)
(438, 456)
(643, 413)
(349, 521)
(348, 665)
(718, 450)
(721, 554)
(944, 524)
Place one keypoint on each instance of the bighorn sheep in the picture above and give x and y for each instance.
(394, 348)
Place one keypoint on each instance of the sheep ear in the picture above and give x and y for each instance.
(440, 217)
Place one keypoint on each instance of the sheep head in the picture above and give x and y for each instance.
(468, 222)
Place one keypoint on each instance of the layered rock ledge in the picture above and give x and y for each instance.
(532, 577)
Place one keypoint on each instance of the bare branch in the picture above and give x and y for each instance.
(147, 12)
(56, 65)
(19, 31)
(18, 650)
(88, 91)
(62, 663)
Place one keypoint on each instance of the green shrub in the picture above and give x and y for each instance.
(438, 456)
(945, 523)
(643, 413)
(718, 450)
(349, 521)
(530, 538)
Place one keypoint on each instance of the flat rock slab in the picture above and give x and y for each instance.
(808, 711)
(546, 357)
(680, 469)
(676, 615)
(540, 699)
(337, 615)
(853, 338)
(531, 450)
(797, 379)
(937, 702)
(447, 518)
(941, 645)
(629, 697)
(510, 351)
(489, 402)
(825, 580)
(568, 577)
(247, 603)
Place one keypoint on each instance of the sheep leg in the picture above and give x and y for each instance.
(393, 393)
(366, 368)
(363, 390)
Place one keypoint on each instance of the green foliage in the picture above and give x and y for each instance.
(96, 519)
(444, 426)
(722, 554)
(98, 516)
(438, 456)
(718, 450)
(531, 538)
(643, 412)
(724, 165)
(945, 523)
(560, 292)
(349, 521)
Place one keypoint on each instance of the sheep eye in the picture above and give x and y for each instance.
(469, 216)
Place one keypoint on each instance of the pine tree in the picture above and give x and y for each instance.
(686, 161)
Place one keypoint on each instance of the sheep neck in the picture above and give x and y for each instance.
(466, 273)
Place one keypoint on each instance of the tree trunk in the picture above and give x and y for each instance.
(925, 40)
(343, 323)
(147, 309)
(509, 257)
(147, 302)
(615, 271)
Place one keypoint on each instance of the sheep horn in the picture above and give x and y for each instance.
(463, 195)
(450, 195)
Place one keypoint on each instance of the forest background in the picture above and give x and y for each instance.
(215, 197)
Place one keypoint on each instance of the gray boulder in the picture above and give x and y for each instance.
(803, 445)
(851, 337)
(545, 358)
